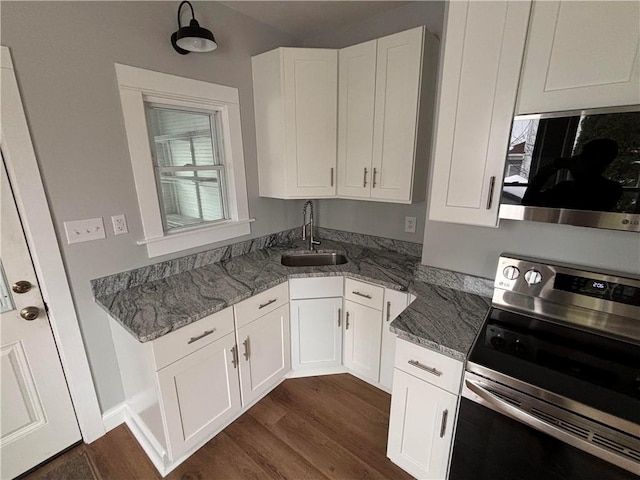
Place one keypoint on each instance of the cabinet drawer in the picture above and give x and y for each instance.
(180, 343)
(262, 303)
(317, 287)
(433, 367)
(363, 293)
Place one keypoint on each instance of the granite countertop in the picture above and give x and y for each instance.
(440, 318)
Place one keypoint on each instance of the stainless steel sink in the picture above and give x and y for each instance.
(313, 259)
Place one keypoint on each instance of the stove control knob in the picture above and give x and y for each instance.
(533, 276)
(511, 272)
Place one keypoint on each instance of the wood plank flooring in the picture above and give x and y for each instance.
(330, 427)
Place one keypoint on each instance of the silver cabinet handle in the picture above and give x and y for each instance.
(332, 176)
(364, 182)
(346, 325)
(268, 303)
(492, 184)
(363, 295)
(388, 311)
(234, 356)
(431, 370)
(247, 351)
(195, 339)
(339, 316)
(375, 171)
(443, 425)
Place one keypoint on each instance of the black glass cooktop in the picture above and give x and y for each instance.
(594, 370)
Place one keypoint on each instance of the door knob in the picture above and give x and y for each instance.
(21, 287)
(30, 313)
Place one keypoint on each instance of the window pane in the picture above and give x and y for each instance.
(183, 138)
(191, 197)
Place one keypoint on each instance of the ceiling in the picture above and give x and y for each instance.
(308, 18)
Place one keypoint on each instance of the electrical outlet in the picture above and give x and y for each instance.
(84, 230)
(119, 224)
(410, 224)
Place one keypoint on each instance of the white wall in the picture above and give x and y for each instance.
(64, 55)
(376, 218)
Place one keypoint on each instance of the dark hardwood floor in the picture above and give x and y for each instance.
(331, 427)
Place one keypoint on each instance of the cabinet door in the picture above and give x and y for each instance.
(310, 105)
(362, 339)
(394, 303)
(479, 72)
(316, 330)
(420, 426)
(199, 394)
(581, 55)
(396, 114)
(265, 353)
(356, 83)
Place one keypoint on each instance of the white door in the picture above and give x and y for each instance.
(316, 330)
(264, 348)
(356, 93)
(36, 413)
(398, 70)
(200, 393)
(362, 339)
(395, 302)
(310, 105)
(420, 427)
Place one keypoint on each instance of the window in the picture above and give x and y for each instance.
(185, 144)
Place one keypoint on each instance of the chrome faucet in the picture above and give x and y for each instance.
(312, 242)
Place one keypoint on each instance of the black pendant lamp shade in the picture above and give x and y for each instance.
(193, 38)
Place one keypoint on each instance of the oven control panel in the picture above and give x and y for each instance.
(520, 275)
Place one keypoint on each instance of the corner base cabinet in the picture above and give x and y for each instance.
(424, 403)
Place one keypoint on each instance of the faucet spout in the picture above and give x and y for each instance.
(312, 243)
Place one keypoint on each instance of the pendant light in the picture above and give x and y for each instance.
(193, 38)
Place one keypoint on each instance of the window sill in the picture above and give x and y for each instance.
(196, 237)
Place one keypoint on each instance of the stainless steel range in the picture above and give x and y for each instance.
(552, 384)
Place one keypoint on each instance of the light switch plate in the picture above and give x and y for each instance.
(84, 230)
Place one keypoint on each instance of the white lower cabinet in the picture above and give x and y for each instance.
(420, 427)
(424, 403)
(394, 303)
(199, 394)
(316, 326)
(264, 353)
(362, 340)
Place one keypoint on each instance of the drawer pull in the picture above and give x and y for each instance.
(268, 303)
(339, 316)
(431, 370)
(332, 176)
(375, 172)
(388, 311)
(247, 350)
(195, 339)
(362, 295)
(443, 425)
(346, 325)
(234, 356)
(364, 182)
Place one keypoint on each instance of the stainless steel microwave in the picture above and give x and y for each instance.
(578, 168)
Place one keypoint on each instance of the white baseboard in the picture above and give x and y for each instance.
(114, 416)
(314, 372)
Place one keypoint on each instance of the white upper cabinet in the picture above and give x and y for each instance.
(295, 99)
(581, 55)
(357, 89)
(399, 64)
(479, 71)
(380, 112)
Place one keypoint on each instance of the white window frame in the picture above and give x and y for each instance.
(139, 86)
